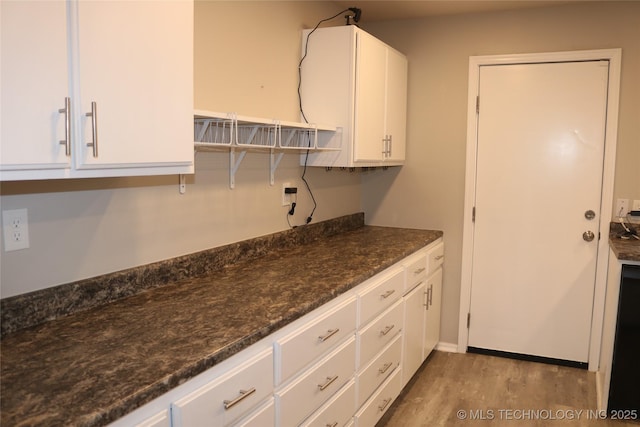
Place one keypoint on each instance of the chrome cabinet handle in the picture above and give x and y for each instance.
(419, 270)
(387, 294)
(228, 404)
(94, 128)
(67, 126)
(335, 424)
(430, 300)
(426, 298)
(385, 368)
(387, 330)
(390, 146)
(329, 334)
(327, 383)
(439, 257)
(384, 404)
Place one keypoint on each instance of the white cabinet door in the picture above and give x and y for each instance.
(433, 294)
(356, 82)
(396, 106)
(369, 126)
(34, 85)
(414, 331)
(134, 60)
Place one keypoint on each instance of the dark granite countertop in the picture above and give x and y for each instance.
(92, 367)
(625, 249)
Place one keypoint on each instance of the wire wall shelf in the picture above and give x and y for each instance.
(239, 134)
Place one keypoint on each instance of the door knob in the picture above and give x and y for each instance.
(588, 236)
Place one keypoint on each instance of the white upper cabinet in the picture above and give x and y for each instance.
(127, 69)
(354, 81)
(34, 85)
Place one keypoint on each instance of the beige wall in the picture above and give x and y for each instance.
(428, 192)
(246, 61)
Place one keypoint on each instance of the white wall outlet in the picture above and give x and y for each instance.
(15, 227)
(622, 208)
(636, 205)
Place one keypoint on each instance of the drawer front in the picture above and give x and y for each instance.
(338, 411)
(416, 270)
(378, 404)
(265, 416)
(303, 346)
(310, 390)
(225, 399)
(379, 333)
(380, 295)
(158, 420)
(370, 378)
(436, 257)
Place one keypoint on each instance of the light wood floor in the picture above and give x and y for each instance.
(496, 391)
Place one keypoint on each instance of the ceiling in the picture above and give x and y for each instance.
(381, 10)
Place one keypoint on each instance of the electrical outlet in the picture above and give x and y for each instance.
(622, 207)
(15, 226)
(286, 198)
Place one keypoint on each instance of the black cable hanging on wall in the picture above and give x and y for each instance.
(357, 13)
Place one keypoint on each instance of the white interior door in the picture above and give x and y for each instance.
(539, 169)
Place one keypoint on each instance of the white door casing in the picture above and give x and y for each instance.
(612, 87)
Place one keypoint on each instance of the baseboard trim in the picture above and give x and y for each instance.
(448, 347)
(530, 358)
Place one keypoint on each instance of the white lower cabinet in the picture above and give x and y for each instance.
(227, 398)
(338, 411)
(159, 420)
(371, 412)
(384, 364)
(312, 388)
(264, 416)
(421, 307)
(343, 364)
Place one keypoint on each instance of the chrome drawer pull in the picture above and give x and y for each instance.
(431, 294)
(387, 330)
(335, 424)
(419, 270)
(243, 394)
(384, 404)
(387, 294)
(67, 126)
(385, 368)
(329, 334)
(439, 257)
(327, 383)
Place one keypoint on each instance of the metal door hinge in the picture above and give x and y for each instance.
(468, 320)
(473, 214)
(478, 104)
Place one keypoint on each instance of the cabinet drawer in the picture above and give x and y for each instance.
(436, 257)
(338, 411)
(380, 295)
(416, 269)
(311, 389)
(228, 397)
(377, 405)
(303, 346)
(379, 333)
(265, 416)
(158, 420)
(379, 369)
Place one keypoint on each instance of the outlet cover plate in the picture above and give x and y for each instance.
(15, 227)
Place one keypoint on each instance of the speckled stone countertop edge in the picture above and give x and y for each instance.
(33, 308)
(624, 249)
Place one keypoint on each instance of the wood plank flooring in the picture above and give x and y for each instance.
(469, 390)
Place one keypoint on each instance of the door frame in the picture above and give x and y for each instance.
(614, 56)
